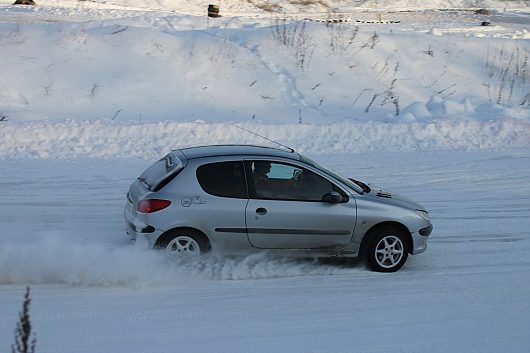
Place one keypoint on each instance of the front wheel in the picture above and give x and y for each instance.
(387, 250)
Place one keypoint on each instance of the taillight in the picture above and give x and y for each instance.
(152, 205)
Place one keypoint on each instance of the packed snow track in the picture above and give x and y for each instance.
(62, 233)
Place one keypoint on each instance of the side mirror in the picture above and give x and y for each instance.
(332, 197)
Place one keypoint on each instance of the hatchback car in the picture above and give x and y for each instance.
(237, 200)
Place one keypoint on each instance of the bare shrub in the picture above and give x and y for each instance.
(371, 43)
(429, 51)
(300, 115)
(294, 35)
(526, 101)
(507, 75)
(223, 51)
(389, 95)
(373, 40)
(94, 91)
(284, 32)
(341, 37)
(23, 330)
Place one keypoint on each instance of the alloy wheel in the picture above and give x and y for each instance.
(389, 251)
(184, 245)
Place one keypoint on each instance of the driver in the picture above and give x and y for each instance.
(261, 179)
(261, 169)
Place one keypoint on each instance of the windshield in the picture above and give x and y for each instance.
(332, 174)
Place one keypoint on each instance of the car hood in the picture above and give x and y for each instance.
(390, 198)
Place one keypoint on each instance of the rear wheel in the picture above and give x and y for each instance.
(185, 243)
(387, 250)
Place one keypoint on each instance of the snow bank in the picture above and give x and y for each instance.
(133, 74)
(56, 257)
(110, 139)
(75, 63)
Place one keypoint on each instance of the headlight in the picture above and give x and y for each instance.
(424, 214)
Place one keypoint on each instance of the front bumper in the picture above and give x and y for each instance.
(426, 231)
(419, 240)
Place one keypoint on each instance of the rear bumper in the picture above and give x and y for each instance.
(137, 230)
(144, 228)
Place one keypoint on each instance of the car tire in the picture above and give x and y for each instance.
(387, 249)
(186, 242)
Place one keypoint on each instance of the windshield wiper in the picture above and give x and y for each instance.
(365, 187)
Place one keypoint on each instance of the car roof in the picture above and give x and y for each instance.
(237, 150)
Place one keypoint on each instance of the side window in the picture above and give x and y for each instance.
(278, 181)
(224, 179)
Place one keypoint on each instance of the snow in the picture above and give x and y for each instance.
(92, 288)
(428, 103)
(97, 62)
(108, 139)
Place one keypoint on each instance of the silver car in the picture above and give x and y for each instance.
(237, 200)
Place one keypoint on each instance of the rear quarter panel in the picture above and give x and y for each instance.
(192, 207)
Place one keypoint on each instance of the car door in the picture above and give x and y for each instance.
(286, 211)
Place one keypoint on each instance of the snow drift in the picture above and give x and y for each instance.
(110, 139)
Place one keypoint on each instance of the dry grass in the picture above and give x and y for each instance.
(270, 6)
(309, 2)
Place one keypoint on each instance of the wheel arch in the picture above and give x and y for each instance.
(390, 224)
(168, 235)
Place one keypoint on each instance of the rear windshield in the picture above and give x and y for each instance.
(162, 171)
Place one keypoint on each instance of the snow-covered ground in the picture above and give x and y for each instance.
(428, 103)
(93, 290)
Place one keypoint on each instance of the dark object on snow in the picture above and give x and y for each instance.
(485, 23)
(329, 20)
(25, 2)
(483, 12)
(382, 22)
(213, 11)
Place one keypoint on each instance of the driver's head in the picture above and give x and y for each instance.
(262, 167)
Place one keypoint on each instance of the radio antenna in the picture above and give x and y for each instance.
(263, 137)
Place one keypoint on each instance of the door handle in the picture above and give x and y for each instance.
(261, 211)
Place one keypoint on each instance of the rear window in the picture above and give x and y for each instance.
(162, 172)
(224, 179)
